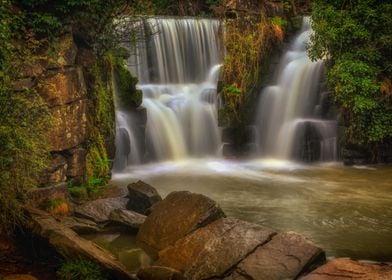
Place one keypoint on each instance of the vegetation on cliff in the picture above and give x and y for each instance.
(355, 37)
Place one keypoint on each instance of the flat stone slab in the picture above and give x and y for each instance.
(71, 246)
(344, 268)
(141, 197)
(212, 250)
(179, 214)
(286, 256)
(100, 209)
(126, 218)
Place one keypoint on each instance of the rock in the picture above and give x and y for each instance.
(100, 209)
(177, 215)
(159, 273)
(343, 268)
(56, 172)
(212, 250)
(127, 218)
(76, 162)
(71, 246)
(65, 49)
(22, 84)
(286, 256)
(142, 196)
(19, 277)
(80, 225)
(37, 198)
(70, 126)
(63, 86)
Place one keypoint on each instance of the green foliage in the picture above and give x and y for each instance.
(125, 84)
(89, 190)
(356, 39)
(23, 121)
(52, 204)
(80, 270)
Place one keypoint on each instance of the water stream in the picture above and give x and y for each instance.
(345, 210)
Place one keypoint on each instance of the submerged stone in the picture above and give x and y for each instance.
(159, 273)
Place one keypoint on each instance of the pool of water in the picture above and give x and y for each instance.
(345, 210)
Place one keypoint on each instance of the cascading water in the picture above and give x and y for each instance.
(289, 110)
(178, 67)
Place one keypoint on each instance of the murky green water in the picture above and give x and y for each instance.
(345, 210)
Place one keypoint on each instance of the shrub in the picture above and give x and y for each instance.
(80, 270)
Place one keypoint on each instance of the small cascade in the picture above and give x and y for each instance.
(178, 68)
(288, 119)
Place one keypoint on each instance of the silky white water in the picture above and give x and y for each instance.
(289, 106)
(177, 67)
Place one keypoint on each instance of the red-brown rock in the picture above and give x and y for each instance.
(343, 268)
(179, 214)
(212, 250)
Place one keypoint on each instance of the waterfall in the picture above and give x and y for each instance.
(288, 110)
(177, 67)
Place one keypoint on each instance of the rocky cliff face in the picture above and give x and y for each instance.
(63, 77)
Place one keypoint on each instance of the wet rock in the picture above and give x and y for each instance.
(212, 250)
(80, 225)
(142, 196)
(177, 215)
(129, 219)
(38, 197)
(19, 277)
(69, 126)
(343, 268)
(159, 273)
(100, 209)
(71, 246)
(286, 256)
(63, 87)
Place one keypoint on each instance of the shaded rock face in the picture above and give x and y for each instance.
(286, 256)
(141, 197)
(177, 215)
(71, 246)
(38, 197)
(159, 273)
(99, 210)
(129, 219)
(212, 250)
(341, 269)
(19, 277)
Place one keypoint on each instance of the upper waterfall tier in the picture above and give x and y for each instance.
(288, 116)
(177, 65)
(176, 51)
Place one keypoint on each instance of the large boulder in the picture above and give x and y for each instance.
(126, 218)
(99, 210)
(286, 256)
(179, 214)
(70, 245)
(212, 250)
(142, 196)
(343, 268)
